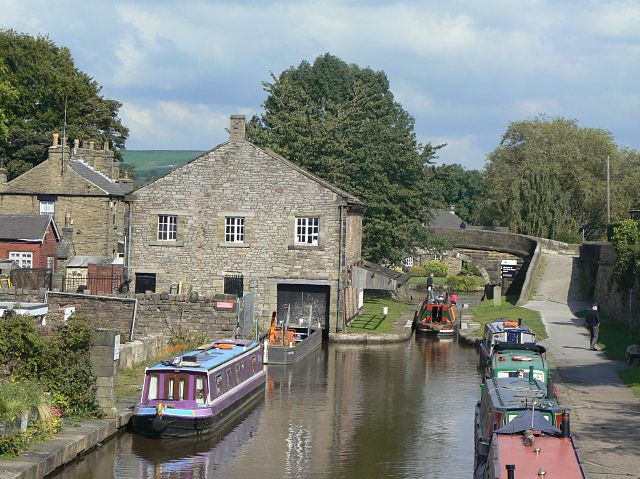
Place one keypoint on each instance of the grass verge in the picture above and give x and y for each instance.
(613, 340)
(486, 312)
(371, 319)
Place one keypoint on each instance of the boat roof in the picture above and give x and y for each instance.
(529, 419)
(518, 393)
(500, 325)
(532, 347)
(207, 356)
(508, 359)
(557, 456)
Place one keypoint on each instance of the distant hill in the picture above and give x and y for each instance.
(150, 164)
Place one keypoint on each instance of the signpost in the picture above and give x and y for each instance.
(508, 269)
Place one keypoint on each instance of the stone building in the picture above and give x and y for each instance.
(82, 189)
(241, 219)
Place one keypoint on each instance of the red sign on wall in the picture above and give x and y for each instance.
(225, 305)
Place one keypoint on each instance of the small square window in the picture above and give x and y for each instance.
(234, 229)
(307, 231)
(47, 207)
(167, 228)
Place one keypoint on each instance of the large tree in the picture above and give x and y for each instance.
(342, 123)
(548, 178)
(454, 185)
(36, 76)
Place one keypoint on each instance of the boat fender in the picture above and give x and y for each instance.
(160, 410)
(529, 438)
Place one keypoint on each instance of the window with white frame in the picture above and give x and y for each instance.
(23, 259)
(47, 207)
(307, 231)
(167, 228)
(234, 229)
(408, 262)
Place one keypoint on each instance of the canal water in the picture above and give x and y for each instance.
(395, 411)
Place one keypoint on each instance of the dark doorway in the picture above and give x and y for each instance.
(145, 282)
(302, 299)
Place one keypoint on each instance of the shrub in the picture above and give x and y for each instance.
(59, 361)
(569, 237)
(417, 271)
(438, 268)
(462, 283)
(469, 270)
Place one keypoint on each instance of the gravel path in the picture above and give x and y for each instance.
(605, 414)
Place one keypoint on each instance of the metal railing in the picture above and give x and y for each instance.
(95, 284)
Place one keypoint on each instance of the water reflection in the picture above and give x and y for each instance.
(401, 410)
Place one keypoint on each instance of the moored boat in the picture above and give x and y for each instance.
(518, 360)
(297, 343)
(502, 400)
(529, 446)
(190, 394)
(503, 331)
(436, 317)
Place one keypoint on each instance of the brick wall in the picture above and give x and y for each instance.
(238, 179)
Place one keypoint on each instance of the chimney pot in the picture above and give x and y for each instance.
(237, 130)
(56, 137)
(76, 143)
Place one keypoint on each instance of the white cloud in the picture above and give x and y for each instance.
(177, 126)
(463, 150)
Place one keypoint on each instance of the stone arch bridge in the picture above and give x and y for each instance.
(486, 250)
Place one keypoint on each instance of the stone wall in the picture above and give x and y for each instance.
(141, 350)
(598, 263)
(183, 316)
(239, 179)
(22, 295)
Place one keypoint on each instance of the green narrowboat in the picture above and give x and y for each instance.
(517, 361)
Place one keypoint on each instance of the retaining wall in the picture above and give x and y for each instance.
(598, 264)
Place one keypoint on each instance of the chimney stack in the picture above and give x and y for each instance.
(106, 145)
(237, 128)
(91, 145)
(85, 144)
(56, 137)
(76, 144)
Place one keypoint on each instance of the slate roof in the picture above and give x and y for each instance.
(444, 219)
(31, 228)
(97, 179)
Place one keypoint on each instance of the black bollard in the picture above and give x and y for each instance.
(511, 471)
(565, 427)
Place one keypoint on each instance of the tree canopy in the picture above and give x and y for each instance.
(35, 77)
(341, 122)
(547, 178)
(454, 185)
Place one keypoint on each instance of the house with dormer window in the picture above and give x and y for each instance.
(240, 219)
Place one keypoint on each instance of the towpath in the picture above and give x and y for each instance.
(605, 413)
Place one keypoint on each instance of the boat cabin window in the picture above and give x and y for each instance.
(238, 377)
(242, 370)
(218, 384)
(181, 384)
(170, 384)
(253, 364)
(153, 387)
(229, 378)
(200, 388)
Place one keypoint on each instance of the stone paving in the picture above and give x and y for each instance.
(605, 413)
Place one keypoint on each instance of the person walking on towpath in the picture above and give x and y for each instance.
(593, 323)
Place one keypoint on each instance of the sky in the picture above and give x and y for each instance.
(463, 69)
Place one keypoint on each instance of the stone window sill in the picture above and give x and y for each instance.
(234, 245)
(171, 244)
(306, 247)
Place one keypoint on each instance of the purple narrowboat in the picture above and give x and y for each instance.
(189, 394)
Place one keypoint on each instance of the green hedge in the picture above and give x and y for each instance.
(464, 283)
(438, 268)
